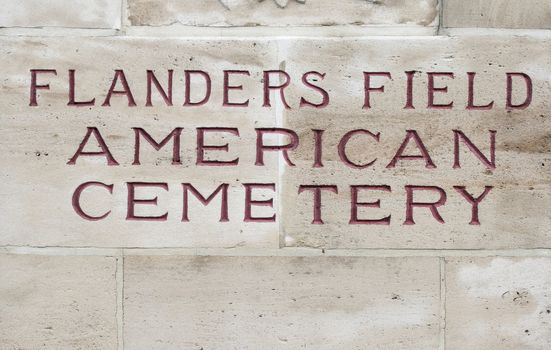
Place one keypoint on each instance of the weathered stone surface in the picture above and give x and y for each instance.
(514, 214)
(37, 183)
(275, 302)
(498, 303)
(534, 14)
(55, 302)
(61, 13)
(282, 13)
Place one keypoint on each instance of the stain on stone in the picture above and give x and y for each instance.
(142, 13)
(199, 263)
(541, 144)
(249, 13)
(230, 4)
(396, 297)
(520, 297)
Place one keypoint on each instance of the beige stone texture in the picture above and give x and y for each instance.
(515, 214)
(282, 13)
(498, 303)
(118, 284)
(61, 13)
(281, 302)
(37, 184)
(529, 14)
(57, 302)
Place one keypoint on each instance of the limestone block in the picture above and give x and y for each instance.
(515, 211)
(274, 302)
(57, 302)
(61, 13)
(38, 183)
(498, 303)
(530, 14)
(282, 13)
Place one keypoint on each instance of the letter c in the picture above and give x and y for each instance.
(76, 200)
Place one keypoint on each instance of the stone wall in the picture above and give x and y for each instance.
(69, 283)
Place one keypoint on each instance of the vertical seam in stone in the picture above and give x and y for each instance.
(442, 303)
(120, 300)
(122, 30)
(440, 17)
(280, 164)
